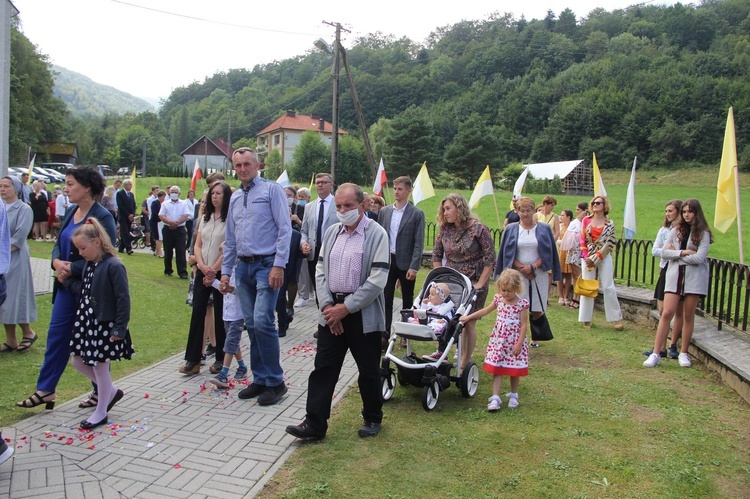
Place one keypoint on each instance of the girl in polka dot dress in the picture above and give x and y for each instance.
(507, 350)
(100, 331)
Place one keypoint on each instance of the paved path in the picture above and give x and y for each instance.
(171, 436)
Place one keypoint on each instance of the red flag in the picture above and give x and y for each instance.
(380, 179)
(196, 175)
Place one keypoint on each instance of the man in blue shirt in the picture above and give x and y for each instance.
(257, 240)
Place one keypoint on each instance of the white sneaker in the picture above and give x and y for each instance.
(300, 303)
(494, 403)
(652, 361)
(512, 400)
(684, 360)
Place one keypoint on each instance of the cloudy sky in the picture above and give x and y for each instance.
(149, 47)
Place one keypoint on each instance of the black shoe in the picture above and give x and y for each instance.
(122, 251)
(5, 451)
(289, 316)
(85, 425)
(673, 352)
(210, 350)
(304, 431)
(216, 367)
(118, 396)
(273, 394)
(130, 252)
(183, 275)
(662, 354)
(251, 391)
(168, 273)
(369, 429)
(282, 333)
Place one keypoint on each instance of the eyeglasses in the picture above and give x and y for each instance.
(597, 202)
(322, 182)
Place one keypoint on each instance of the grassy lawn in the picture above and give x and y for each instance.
(592, 423)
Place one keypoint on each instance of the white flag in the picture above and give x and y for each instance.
(283, 179)
(380, 179)
(629, 222)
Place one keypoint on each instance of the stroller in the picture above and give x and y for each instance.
(433, 376)
(137, 236)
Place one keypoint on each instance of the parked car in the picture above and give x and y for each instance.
(20, 170)
(123, 171)
(105, 170)
(61, 168)
(51, 174)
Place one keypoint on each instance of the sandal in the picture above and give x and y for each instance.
(92, 401)
(36, 400)
(7, 348)
(26, 343)
(573, 304)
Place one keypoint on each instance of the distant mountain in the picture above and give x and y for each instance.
(84, 96)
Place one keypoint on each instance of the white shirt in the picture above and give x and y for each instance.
(396, 216)
(61, 204)
(173, 210)
(191, 205)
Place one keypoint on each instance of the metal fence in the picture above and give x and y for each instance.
(728, 298)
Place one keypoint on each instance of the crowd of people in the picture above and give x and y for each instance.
(243, 250)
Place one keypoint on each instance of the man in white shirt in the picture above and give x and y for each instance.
(174, 214)
(61, 204)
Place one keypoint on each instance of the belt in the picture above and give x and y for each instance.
(254, 258)
(339, 297)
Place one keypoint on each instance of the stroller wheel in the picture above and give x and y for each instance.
(142, 243)
(389, 386)
(469, 380)
(430, 394)
(134, 244)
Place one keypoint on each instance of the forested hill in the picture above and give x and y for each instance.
(652, 81)
(83, 96)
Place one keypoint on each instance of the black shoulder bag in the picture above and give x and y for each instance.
(540, 330)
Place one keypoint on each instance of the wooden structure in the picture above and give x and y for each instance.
(576, 176)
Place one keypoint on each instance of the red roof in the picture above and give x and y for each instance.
(293, 121)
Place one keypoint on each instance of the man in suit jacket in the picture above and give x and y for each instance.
(404, 223)
(125, 213)
(313, 230)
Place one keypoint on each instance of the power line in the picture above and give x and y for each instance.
(221, 23)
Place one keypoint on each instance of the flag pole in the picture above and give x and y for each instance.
(739, 213)
(497, 212)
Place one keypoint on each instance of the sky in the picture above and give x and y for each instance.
(149, 47)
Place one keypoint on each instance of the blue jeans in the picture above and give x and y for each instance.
(258, 302)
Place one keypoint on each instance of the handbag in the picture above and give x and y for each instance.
(191, 286)
(540, 329)
(586, 287)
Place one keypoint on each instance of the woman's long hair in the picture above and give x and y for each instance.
(464, 216)
(209, 208)
(699, 225)
(93, 229)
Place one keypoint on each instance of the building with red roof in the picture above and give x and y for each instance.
(285, 134)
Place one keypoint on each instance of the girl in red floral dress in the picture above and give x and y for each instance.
(507, 350)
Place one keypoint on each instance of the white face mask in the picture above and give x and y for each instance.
(174, 196)
(289, 201)
(348, 218)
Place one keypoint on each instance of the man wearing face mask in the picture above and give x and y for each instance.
(174, 213)
(351, 274)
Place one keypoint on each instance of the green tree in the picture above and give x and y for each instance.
(36, 115)
(273, 165)
(473, 148)
(353, 165)
(311, 156)
(410, 144)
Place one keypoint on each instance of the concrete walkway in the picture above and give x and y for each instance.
(170, 436)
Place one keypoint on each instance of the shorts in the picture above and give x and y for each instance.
(234, 336)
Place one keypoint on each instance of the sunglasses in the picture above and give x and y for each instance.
(597, 202)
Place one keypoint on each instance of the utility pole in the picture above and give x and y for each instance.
(229, 145)
(360, 115)
(335, 117)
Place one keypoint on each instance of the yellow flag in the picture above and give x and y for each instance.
(422, 186)
(599, 189)
(312, 183)
(483, 188)
(726, 199)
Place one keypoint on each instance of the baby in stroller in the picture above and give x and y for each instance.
(437, 302)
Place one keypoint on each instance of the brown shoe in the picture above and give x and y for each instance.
(190, 368)
(215, 368)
